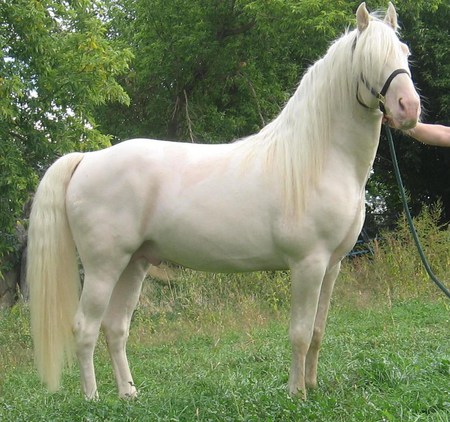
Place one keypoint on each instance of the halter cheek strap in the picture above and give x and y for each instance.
(380, 96)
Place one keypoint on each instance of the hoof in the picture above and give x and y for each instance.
(130, 393)
(311, 384)
(297, 392)
(92, 397)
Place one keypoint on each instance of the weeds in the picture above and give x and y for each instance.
(395, 271)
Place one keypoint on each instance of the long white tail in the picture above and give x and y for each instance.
(52, 272)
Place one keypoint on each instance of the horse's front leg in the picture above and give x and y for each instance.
(306, 277)
(312, 356)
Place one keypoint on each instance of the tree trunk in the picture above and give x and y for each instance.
(8, 286)
(13, 280)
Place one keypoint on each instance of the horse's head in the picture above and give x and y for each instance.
(383, 73)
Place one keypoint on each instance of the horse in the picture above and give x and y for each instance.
(291, 196)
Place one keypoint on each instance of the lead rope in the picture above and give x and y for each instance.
(425, 262)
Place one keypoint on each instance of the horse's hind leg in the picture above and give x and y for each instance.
(116, 322)
(312, 356)
(99, 283)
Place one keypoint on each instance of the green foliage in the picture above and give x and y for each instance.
(215, 71)
(56, 67)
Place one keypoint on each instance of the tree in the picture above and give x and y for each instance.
(212, 71)
(56, 67)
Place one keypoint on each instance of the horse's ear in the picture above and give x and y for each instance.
(362, 17)
(391, 17)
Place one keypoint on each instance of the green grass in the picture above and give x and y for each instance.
(376, 364)
(214, 347)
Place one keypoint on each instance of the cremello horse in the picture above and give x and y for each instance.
(289, 197)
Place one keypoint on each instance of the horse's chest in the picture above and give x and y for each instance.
(331, 223)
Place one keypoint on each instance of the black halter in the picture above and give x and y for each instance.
(380, 96)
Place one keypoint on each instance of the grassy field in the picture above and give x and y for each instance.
(215, 348)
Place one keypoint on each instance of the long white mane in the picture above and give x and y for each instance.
(295, 143)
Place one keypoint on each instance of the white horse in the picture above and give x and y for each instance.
(288, 197)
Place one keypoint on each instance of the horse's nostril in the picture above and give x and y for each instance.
(401, 104)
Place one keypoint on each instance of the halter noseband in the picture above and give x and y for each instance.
(380, 96)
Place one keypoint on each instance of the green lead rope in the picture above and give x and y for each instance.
(425, 262)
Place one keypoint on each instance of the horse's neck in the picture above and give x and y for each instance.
(355, 141)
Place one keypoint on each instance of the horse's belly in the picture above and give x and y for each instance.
(208, 260)
(215, 244)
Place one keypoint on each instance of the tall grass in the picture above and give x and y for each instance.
(395, 271)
